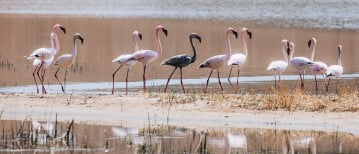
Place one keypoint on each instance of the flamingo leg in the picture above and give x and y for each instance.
(33, 74)
(58, 69)
(229, 79)
(301, 80)
(113, 79)
(182, 81)
(208, 79)
(238, 71)
(63, 88)
(316, 84)
(279, 80)
(327, 85)
(128, 70)
(144, 77)
(275, 81)
(43, 79)
(219, 80)
(336, 87)
(169, 78)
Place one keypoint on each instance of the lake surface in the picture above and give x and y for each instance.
(39, 136)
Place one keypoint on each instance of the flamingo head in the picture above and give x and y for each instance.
(161, 28)
(285, 44)
(290, 48)
(58, 26)
(78, 36)
(310, 42)
(340, 47)
(136, 33)
(195, 36)
(248, 32)
(231, 30)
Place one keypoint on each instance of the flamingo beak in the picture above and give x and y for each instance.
(140, 36)
(235, 33)
(63, 29)
(309, 43)
(250, 34)
(165, 31)
(82, 40)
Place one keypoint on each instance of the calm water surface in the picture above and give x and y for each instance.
(39, 136)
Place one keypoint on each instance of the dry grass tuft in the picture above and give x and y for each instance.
(346, 100)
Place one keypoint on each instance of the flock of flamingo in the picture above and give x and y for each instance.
(43, 58)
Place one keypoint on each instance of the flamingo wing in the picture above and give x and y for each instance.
(178, 61)
(124, 59)
(64, 60)
(278, 65)
(42, 53)
(214, 62)
(237, 59)
(318, 67)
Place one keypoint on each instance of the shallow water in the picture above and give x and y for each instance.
(332, 14)
(190, 84)
(107, 38)
(168, 139)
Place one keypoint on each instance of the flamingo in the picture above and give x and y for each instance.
(124, 60)
(37, 62)
(300, 63)
(318, 67)
(279, 66)
(335, 70)
(239, 59)
(67, 60)
(147, 56)
(218, 61)
(183, 60)
(43, 57)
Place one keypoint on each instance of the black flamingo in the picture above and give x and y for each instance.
(183, 60)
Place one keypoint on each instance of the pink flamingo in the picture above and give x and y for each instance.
(124, 60)
(239, 59)
(218, 61)
(300, 63)
(335, 70)
(318, 67)
(147, 56)
(67, 60)
(37, 62)
(279, 66)
(183, 60)
(43, 57)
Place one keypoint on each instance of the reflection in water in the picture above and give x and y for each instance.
(39, 136)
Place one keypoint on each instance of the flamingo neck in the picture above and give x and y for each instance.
(229, 48)
(340, 58)
(74, 51)
(285, 55)
(56, 43)
(159, 43)
(194, 57)
(245, 50)
(136, 44)
(313, 51)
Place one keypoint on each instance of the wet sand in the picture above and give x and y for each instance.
(107, 38)
(194, 111)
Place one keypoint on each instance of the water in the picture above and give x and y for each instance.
(332, 14)
(168, 139)
(135, 87)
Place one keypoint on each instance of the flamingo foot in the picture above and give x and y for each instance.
(302, 85)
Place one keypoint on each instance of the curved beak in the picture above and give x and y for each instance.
(165, 31)
(63, 29)
(249, 34)
(140, 36)
(235, 33)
